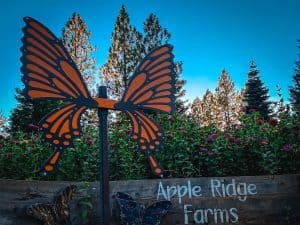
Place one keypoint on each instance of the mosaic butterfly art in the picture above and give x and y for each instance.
(134, 213)
(50, 73)
(57, 212)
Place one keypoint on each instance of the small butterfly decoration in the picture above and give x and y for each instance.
(134, 213)
(57, 212)
(50, 73)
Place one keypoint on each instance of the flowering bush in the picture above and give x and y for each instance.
(22, 154)
(255, 147)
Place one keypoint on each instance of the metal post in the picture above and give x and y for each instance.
(104, 168)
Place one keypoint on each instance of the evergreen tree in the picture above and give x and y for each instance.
(2, 121)
(228, 103)
(196, 110)
(29, 111)
(124, 55)
(256, 94)
(154, 36)
(295, 90)
(280, 109)
(76, 39)
(204, 111)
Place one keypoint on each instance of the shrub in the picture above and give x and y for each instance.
(255, 147)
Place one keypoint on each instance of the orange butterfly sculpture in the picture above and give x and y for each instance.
(50, 73)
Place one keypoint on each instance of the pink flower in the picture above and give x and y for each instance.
(203, 149)
(231, 139)
(89, 140)
(273, 122)
(210, 153)
(259, 121)
(33, 127)
(264, 142)
(287, 147)
(264, 129)
(212, 137)
(237, 141)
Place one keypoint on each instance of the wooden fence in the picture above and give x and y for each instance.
(255, 200)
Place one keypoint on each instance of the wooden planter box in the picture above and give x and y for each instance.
(255, 200)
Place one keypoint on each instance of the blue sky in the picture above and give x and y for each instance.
(207, 36)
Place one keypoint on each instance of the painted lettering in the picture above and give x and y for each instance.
(186, 212)
(196, 191)
(180, 191)
(234, 214)
(219, 215)
(161, 191)
(232, 189)
(199, 213)
(252, 189)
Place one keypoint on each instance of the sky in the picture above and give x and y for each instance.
(207, 35)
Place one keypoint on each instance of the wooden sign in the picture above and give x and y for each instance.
(254, 200)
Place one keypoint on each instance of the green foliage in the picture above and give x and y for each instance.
(22, 155)
(85, 204)
(125, 161)
(255, 147)
(295, 89)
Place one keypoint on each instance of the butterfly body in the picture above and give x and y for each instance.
(50, 73)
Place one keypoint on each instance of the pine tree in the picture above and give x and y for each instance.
(29, 111)
(256, 94)
(2, 121)
(280, 109)
(76, 39)
(228, 103)
(154, 36)
(196, 109)
(295, 90)
(124, 55)
(204, 111)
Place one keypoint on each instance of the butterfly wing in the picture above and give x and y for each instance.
(50, 73)
(148, 135)
(42, 212)
(152, 85)
(61, 203)
(130, 211)
(155, 212)
(59, 128)
(48, 70)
